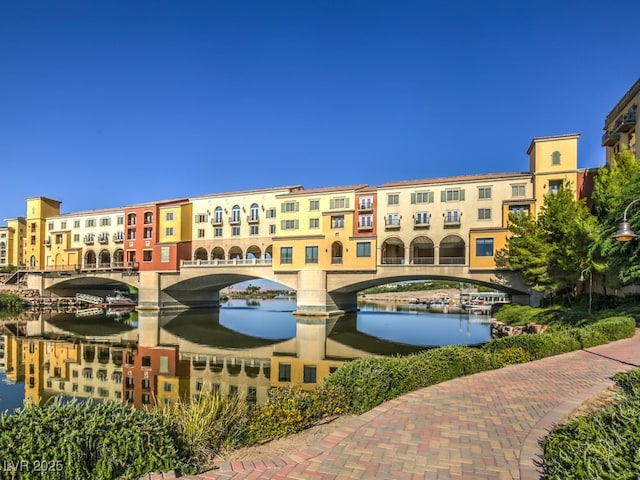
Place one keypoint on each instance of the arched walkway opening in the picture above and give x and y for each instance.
(90, 259)
(254, 252)
(200, 254)
(217, 253)
(118, 258)
(452, 251)
(105, 259)
(422, 251)
(235, 253)
(392, 251)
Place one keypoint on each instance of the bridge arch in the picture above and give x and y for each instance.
(422, 251)
(452, 250)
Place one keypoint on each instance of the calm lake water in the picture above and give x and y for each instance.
(242, 347)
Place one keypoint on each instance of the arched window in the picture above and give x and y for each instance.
(235, 213)
(555, 158)
(217, 216)
(254, 212)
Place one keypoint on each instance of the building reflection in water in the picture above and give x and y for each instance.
(156, 356)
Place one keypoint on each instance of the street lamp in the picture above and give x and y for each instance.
(581, 279)
(624, 233)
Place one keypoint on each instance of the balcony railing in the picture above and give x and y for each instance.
(625, 123)
(216, 222)
(363, 226)
(118, 239)
(420, 223)
(253, 219)
(88, 240)
(423, 260)
(365, 207)
(393, 260)
(609, 139)
(225, 262)
(392, 223)
(336, 260)
(103, 239)
(234, 220)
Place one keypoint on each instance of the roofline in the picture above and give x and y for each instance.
(615, 111)
(459, 179)
(550, 139)
(290, 188)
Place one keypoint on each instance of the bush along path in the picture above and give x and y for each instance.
(484, 426)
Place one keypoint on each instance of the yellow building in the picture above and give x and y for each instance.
(12, 242)
(39, 209)
(620, 132)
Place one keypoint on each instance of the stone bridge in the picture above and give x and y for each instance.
(319, 292)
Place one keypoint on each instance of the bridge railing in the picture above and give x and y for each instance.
(225, 262)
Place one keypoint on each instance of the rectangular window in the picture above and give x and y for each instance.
(169, 232)
(337, 221)
(167, 387)
(554, 186)
(484, 193)
(309, 374)
(201, 218)
(272, 229)
(393, 199)
(286, 255)
(105, 222)
(148, 233)
(270, 213)
(217, 232)
(452, 195)
(314, 223)
(289, 206)
(254, 230)
(452, 217)
(146, 361)
(76, 237)
(484, 247)
(289, 224)
(120, 220)
(284, 372)
(58, 239)
(168, 216)
(76, 224)
(422, 218)
(146, 255)
(200, 232)
(50, 226)
(363, 249)
(235, 231)
(365, 222)
(311, 255)
(518, 190)
(164, 254)
(339, 202)
(484, 214)
(392, 220)
(63, 225)
(314, 205)
(365, 203)
(164, 364)
(90, 222)
(422, 197)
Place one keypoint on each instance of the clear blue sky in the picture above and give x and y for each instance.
(106, 103)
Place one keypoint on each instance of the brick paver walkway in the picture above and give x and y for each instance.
(485, 426)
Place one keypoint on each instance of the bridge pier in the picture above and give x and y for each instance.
(159, 292)
(314, 299)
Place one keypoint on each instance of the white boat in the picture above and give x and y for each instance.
(119, 299)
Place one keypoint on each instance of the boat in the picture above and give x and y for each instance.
(119, 299)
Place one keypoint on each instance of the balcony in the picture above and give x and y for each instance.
(216, 222)
(234, 220)
(392, 223)
(103, 238)
(253, 219)
(364, 227)
(626, 122)
(47, 242)
(119, 237)
(365, 207)
(89, 239)
(452, 219)
(609, 139)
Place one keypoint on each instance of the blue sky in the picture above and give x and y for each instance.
(110, 103)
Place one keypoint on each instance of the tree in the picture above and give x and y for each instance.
(615, 186)
(551, 250)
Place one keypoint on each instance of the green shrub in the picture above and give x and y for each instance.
(615, 328)
(604, 445)
(207, 424)
(88, 440)
(291, 409)
(10, 301)
(588, 337)
(513, 355)
(537, 345)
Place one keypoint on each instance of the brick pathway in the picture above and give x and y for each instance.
(485, 426)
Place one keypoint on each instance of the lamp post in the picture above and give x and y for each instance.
(581, 279)
(624, 233)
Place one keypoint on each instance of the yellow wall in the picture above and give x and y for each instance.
(499, 237)
(297, 371)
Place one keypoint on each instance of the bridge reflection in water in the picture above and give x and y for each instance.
(147, 356)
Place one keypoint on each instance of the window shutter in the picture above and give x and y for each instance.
(431, 197)
(462, 194)
(332, 204)
(443, 196)
(296, 206)
(346, 203)
(413, 198)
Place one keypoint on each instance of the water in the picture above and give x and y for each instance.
(242, 347)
